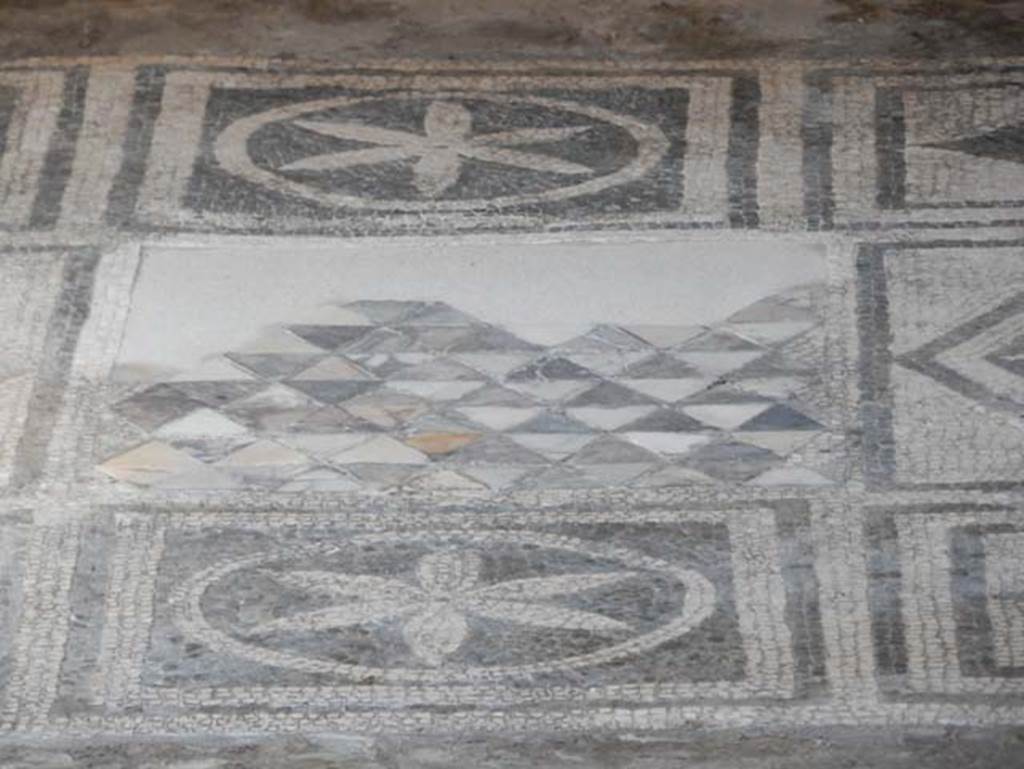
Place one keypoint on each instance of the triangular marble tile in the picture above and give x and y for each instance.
(780, 387)
(490, 340)
(155, 405)
(201, 423)
(435, 390)
(443, 480)
(771, 333)
(216, 369)
(668, 390)
(604, 339)
(439, 423)
(386, 409)
(495, 395)
(438, 369)
(606, 450)
(673, 475)
(385, 311)
(781, 442)
(732, 462)
(549, 368)
(553, 422)
(275, 365)
(264, 453)
(615, 474)
(333, 392)
(611, 395)
(498, 417)
(217, 394)
(441, 443)
(714, 364)
(717, 340)
(322, 479)
(664, 336)
(497, 450)
(149, 463)
(726, 416)
(437, 314)
(381, 477)
(780, 417)
(659, 365)
(790, 476)
(381, 449)
(553, 446)
(496, 477)
(601, 418)
(333, 368)
(791, 305)
(275, 396)
(496, 365)
(609, 363)
(672, 444)
(324, 444)
(331, 419)
(665, 420)
(550, 391)
(204, 478)
(278, 341)
(433, 339)
(325, 337)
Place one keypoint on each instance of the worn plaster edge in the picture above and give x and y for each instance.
(529, 64)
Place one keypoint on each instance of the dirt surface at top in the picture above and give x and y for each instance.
(357, 29)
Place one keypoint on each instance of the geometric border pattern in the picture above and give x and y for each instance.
(876, 360)
(854, 114)
(909, 577)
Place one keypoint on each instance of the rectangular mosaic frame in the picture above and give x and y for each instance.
(876, 360)
(916, 610)
(720, 162)
(855, 113)
(118, 690)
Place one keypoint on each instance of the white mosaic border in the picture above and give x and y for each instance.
(32, 302)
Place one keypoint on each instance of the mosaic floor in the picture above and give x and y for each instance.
(562, 398)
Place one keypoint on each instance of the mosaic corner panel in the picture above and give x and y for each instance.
(941, 385)
(913, 147)
(945, 596)
(321, 619)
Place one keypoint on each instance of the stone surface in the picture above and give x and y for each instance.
(536, 413)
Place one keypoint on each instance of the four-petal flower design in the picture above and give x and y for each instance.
(439, 151)
(434, 612)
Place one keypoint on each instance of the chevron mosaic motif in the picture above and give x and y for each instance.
(421, 396)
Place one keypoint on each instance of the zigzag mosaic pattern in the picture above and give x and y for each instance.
(418, 394)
